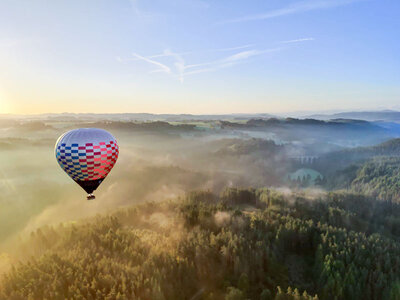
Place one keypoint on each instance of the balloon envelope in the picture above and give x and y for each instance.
(87, 155)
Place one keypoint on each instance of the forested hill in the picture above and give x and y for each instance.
(339, 132)
(378, 177)
(341, 159)
(243, 244)
(388, 148)
(274, 122)
(385, 115)
(156, 126)
(391, 147)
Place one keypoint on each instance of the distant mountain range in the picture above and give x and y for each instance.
(373, 116)
(384, 115)
(135, 117)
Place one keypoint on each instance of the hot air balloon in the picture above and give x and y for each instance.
(87, 155)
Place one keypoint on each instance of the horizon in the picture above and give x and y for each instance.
(295, 114)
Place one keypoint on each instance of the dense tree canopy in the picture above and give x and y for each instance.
(243, 244)
(378, 177)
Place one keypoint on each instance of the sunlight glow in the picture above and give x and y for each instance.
(4, 107)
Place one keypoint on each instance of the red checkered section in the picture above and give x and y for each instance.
(99, 159)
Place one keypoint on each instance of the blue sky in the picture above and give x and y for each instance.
(199, 56)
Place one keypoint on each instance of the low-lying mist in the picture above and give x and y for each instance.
(159, 161)
(151, 166)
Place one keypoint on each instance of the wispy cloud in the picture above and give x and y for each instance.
(179, 63)
(232, 48)
(297, 41)
(161, 67)
(180, 69)
(167, 53)
(295, 8)
(225, 62)
(175, 65)
(229, 61)
(241, 55)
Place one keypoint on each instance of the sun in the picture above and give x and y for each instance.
(3, 103)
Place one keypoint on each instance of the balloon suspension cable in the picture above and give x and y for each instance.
(90, 197)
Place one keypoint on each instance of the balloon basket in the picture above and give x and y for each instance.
(90, 197)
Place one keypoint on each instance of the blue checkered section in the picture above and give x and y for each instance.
(73, 160)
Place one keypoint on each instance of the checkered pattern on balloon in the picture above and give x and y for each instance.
(90, 161)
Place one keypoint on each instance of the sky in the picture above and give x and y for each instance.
(198, 56)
